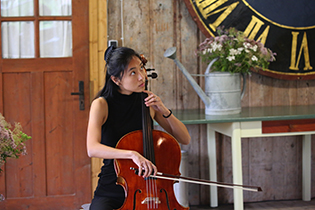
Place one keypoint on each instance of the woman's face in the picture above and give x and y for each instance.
(133, 79)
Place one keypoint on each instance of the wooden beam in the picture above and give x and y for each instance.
(97, 40)
(283, 126)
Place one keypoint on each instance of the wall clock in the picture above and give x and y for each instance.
(287, 27)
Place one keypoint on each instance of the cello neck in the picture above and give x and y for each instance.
(148, 147)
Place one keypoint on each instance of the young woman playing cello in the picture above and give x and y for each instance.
(115, 112)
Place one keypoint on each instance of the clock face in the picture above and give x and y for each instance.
(287, 27)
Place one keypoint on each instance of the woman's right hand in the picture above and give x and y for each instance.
(145, 167)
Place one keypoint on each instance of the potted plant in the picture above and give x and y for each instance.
(230, 55)
(12, 142)
(235, 52)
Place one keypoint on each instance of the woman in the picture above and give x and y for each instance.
(115, 112)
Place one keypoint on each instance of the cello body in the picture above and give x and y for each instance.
(150, 193)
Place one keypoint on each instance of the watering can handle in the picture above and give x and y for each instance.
(244, 85)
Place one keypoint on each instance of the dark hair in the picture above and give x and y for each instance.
(117, 60)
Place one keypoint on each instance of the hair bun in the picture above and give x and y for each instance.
(108, 51)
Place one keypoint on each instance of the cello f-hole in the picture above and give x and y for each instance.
(166, 197)
(135, 198)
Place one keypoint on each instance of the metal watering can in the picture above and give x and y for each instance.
(222, 93)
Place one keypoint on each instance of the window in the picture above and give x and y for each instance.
(36, 28)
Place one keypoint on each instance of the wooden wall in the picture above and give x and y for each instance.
(152, 26)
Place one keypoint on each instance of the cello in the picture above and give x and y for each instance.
(163, 151)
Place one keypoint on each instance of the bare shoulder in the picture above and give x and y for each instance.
(99, 109)
(99, 103)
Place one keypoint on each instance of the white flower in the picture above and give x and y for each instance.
(234, 52)
(240, 49)
(205, 51)
(231, 57)
(254, 58)
(215, 46)
(247, 45)
(254, 48)
(219, 47)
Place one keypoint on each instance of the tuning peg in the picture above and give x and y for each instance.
(153, 75)
(150, 69)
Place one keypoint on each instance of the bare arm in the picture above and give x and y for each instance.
(171, 124)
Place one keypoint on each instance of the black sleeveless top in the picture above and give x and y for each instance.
(124, 116)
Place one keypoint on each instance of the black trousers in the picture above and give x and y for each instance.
(106, 203)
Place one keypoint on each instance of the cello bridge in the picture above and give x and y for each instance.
(148, 200)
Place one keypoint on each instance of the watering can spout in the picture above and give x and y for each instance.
(171, 53)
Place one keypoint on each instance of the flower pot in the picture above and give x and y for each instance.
(224, 92)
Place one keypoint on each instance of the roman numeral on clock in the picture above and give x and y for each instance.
(210, 7)
(304, 47)
(253, 27)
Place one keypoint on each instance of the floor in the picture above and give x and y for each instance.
(266, 205)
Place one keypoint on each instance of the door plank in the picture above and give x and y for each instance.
(37, 64)
(19, 182)
(59, 139)
(38, 133)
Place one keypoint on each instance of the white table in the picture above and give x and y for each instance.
(255, 122)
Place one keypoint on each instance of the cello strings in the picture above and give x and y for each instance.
(151, 184)
(155, 193)
(152, 194)
(147, 194)
(151, 197)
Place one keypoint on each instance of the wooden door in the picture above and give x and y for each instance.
(36, 91)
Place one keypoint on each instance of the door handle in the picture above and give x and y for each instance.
(80, 94)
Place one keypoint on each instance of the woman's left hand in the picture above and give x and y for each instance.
(155, 102)
(172, 125)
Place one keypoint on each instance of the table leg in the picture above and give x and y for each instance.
(212, 165)
(236, 145)
(306, 168)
